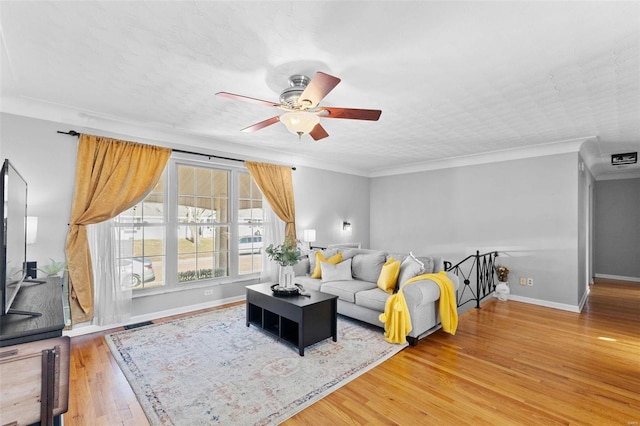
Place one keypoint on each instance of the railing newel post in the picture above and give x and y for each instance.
(477, 262)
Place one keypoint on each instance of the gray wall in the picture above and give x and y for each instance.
(526, 209)
(47, 161)
(617, 228)
(325, 199)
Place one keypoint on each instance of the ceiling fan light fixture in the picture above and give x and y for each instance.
(301, 101)
(299, 122)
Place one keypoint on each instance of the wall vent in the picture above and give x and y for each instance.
(627, 158)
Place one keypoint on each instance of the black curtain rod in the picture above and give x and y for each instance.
(206, 155)
(70, 132)
(210, 156)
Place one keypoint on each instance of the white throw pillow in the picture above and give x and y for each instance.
(339, 272)
(312, 257)
(409, 268)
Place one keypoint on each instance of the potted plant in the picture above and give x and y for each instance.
(502, 289)
(286, 255)
(54, 268)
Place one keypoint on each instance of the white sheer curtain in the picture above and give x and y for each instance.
(112, 302)
(273, 234)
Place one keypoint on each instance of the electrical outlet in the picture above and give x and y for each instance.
(529, 281)
(208, 292)
(523, 281)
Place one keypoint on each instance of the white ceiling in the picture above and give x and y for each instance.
(453, 79)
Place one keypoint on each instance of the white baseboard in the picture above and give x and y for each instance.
(546, 303)
(584, 299)
(90, 328)
(618, 277)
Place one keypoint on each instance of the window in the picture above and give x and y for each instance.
(250, 225)
(141, 234)
(201, 222)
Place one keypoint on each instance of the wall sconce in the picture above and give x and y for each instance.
(346, 226)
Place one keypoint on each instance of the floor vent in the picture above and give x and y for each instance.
(137, 325)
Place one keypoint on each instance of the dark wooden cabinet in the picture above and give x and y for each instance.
(34, 358)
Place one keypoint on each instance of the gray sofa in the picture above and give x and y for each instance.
(359, 296)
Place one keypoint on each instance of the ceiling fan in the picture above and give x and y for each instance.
(301, 100)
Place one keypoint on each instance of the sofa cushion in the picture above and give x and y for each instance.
(308, 283)
(317, 271)
(367, 267)
(373, 299)
(344, 245)
(409, 268)
(428, 263)
(346, 290)
(438, 264)
(389, 275)
(397, 256)
(338, 272)
(431, 263)
(348, 253)
(302, 267)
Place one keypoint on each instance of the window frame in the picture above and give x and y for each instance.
(171, 224)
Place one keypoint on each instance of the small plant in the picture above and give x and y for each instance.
(286, 254)
(502, 272)
(54, 268)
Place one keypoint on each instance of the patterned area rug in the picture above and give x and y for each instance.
(213, 369)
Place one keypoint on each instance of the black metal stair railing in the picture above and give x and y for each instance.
(475, 267)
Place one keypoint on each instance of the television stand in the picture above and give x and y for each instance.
(26, 284)
(36, 282)
(35, 358)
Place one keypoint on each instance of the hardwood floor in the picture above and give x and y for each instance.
(509, 363)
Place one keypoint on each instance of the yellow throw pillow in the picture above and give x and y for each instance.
(389, 275)
(334, 260)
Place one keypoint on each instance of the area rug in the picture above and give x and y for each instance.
(213, 369)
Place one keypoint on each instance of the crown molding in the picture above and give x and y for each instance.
(157, 134)
(552, 148)
(172, 137)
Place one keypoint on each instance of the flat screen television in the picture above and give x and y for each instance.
(13, 237)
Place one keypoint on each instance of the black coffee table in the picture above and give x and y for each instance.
(298, 320)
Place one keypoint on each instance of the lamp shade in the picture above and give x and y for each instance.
(300, 122)
(32, 229)
(309, 235)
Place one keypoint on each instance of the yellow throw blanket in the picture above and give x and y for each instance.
(396, 318)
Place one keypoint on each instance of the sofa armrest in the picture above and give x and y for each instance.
(426, 291)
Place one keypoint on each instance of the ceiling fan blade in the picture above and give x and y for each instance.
(351, 113)
(318, 132)
(262, 124)
(235, 97)
(319, 86)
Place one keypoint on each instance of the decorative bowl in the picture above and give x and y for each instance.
(284, 291)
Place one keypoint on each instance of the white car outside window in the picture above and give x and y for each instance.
(250, 244)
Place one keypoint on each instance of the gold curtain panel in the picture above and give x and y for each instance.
(111, 176)
(276, 184)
